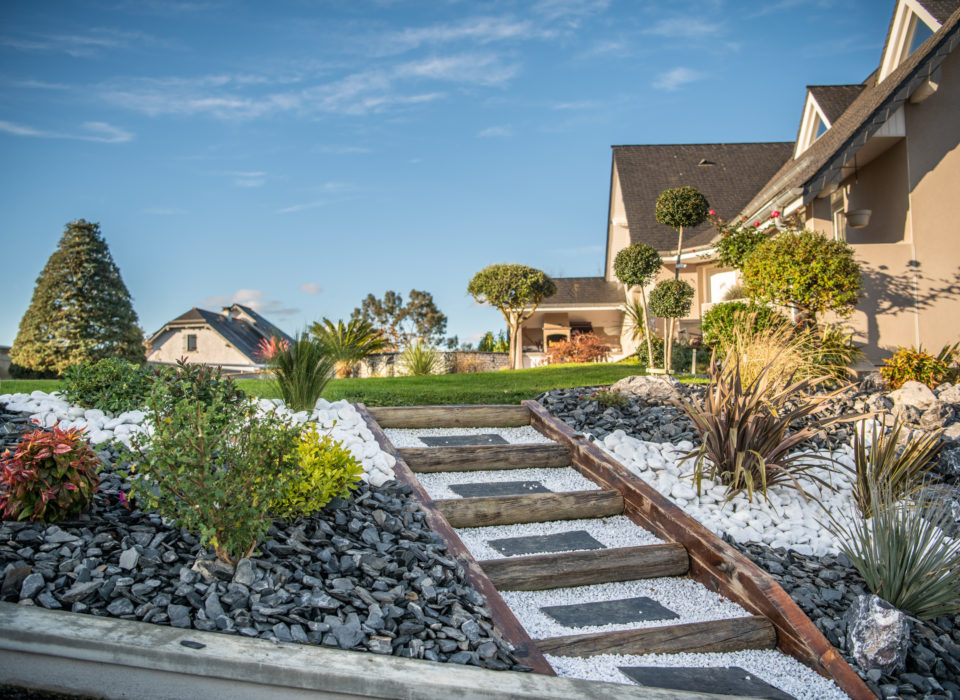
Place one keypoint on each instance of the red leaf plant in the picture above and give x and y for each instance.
(268, 348)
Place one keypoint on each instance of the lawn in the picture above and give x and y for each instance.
(505, 386)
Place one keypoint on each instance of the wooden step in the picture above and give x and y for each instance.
(542, 571)
(492, 416)
(530, 508)
(485, 457)
(717, 635)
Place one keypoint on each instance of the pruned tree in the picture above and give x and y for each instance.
(402, 323)
(516, 290)
(635, 266)
(671, 299)
(80, 310)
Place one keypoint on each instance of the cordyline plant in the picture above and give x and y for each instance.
(51, 476)
(301, 372)
(746, 442)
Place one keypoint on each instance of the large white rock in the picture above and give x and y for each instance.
(915, 394)
(648, 387)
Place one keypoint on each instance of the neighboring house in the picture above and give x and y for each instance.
(229, 338)
(890, 145)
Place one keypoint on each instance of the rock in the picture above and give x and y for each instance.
(950, 394)
(121, 606)
(948, 463)
(648, 387)
(873, 383)
(878, 635)
(79, 591)
(915, 395)
(129, 559)
(13, 580)
(245, 573)
(213, 569)
(31, 585)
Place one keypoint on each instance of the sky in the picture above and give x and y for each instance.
(296, 156)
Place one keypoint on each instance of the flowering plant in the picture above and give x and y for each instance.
(268, 348)
(738, 239)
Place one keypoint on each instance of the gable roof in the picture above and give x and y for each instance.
(728, 174)
(834, 99)
(240, 333)
(580, 291)
(821, 163)
(940, 9)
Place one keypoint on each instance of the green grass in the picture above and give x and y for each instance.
(505, 386)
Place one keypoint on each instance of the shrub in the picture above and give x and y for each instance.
(348, 344)
(212, 465)
(735, 292)
(833, 350)
(720, 322)
(301, 372)
(609, 397)
(682, 357)
(324, 471)
(882, 461)
(51, 476)
(681, 207)
(746, 443)
(671, 299)
(737, 240)
(112, 384)
(582, 347)
(902, 553)
(419, 359)
(916, 365)
(197, 382)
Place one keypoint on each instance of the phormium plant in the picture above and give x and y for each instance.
(52, 475)
(112, 384)
(302, 371)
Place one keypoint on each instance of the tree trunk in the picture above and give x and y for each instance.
(646, 327)
(668, 348)
(676, 271)
(513, 326)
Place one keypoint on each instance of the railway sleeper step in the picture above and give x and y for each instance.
(461, 416)
(484, 511)
(485, 457)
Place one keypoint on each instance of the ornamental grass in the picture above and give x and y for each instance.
(301, 371)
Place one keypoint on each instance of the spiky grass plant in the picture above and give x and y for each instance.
(348, 343)
(302, 371)
(419, 358)
(882, 461)
(744, 428)
(903, 554)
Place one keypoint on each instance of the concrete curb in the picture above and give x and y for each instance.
(69, 652)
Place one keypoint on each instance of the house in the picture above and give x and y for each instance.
(229, 338)
(876, 164)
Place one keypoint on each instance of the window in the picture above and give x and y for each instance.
(190, 342)
(813, 125)
(912, 25)
(839, 218)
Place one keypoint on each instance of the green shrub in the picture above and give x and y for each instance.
(681, 360)
(212, 466)
(51, 476)
(916, 365)
(301, 371)
(111, 384)
(898, 468)
(324, 470)
(671, 299)
(609, 397)
(737, 242)
(681, 207)
(720, 323)
(419, 359)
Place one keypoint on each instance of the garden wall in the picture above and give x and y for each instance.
(388, 364)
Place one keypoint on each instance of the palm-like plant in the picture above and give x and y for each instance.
(348, 343)
(302, 371)
(419, 359)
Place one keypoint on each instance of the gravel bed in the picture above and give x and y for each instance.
(615, 531)
(825, 588)
(366, 573)
(556, 479)
(684, 596)
(408, 437)
(780, 670)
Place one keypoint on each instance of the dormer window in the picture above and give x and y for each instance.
(912, 25)
(813, 125)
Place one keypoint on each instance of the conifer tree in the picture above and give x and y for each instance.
(80, 310)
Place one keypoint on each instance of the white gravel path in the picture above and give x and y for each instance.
(615, 531)
(780, 670)
(404, 437)
(687, 598)
(556, 479)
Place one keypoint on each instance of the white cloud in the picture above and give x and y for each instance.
(100, 132)
(79, 45)
(302, 207)
(684, 27)
(247, 178)
(482, 30)
(567, 9)
(495, 131)
(254, 298)
(311, 288)
(676, 78)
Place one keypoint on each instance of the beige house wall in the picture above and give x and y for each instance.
(212, 349)
(618, 236)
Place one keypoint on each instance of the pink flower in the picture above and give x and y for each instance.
(712, 212)
(268, 348)
(774, 214)
(756, 223)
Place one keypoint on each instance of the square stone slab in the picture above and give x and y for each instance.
(544, 544)
(609, 612)
(498, 488)
(728, 680)
(462, 440)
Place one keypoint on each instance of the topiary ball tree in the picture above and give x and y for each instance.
(635, 266)
(671, 299)
(805, 270)
(679, 208)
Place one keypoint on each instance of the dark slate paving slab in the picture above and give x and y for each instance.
(544, 544)
(498, 488)
(609, 612)
(728, 680)
(462, 440)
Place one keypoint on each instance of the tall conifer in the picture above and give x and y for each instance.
(80, 309)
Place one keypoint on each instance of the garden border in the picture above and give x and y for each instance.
(713, 562)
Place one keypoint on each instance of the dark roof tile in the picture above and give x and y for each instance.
(572, 291)
(834, 99)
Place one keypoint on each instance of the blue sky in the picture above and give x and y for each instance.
(298, 155)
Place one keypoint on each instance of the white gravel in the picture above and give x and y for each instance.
(556, 479)
(615, 531)
(403, 437)
(686, 597)
(780, 670)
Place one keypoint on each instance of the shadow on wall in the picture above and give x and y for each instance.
(888, 293)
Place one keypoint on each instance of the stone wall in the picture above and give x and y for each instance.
(389, 364)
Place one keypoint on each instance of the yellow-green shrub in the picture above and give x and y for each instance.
(324, 470)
